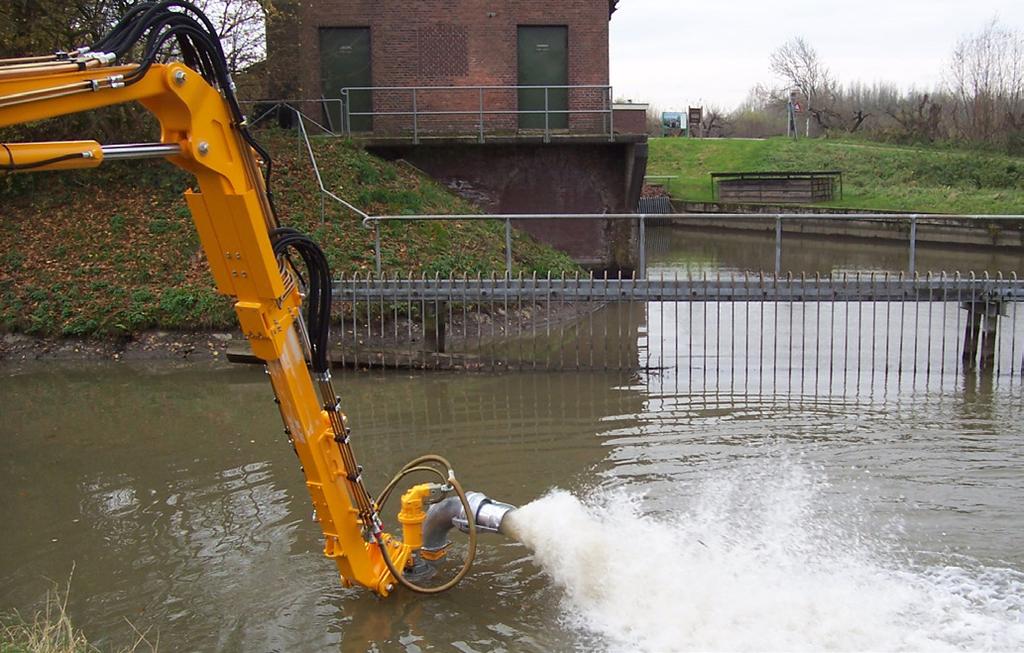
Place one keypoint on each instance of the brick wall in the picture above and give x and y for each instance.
(443, 43)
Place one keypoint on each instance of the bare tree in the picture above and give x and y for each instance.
(41, 26)
(986, 76)
(798, 63)
(714, 122)
(241, 25)
(919, 117)
(830, 105)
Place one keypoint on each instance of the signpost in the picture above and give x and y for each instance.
(672, 123)
(696, 117)
(792, 108)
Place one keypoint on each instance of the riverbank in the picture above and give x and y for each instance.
(401, 342)
(876, 177)
(111, 253)
(152, 345)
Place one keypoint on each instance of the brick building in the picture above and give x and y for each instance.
(318, 47)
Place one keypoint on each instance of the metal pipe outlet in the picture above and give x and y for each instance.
(448, 514)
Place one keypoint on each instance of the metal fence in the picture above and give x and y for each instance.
(741, 332)
(418, 110)
(907, 226)
(290, 112)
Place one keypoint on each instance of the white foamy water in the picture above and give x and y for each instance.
(754, 560)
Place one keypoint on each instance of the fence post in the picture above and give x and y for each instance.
(415, 121)
(611, 116)
(989, 335)
(972, 334)
(778, 245)
(481, 89)
(547, 132)
(346, 125)
(508, 248)
(643, 248)
(434, 325)
(376, 246)
(912, 263)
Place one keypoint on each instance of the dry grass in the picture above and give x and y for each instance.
(51, 630)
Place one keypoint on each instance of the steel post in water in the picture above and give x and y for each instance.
(972, 331)
(435, 327)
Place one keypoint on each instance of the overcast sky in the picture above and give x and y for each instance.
(674, 52)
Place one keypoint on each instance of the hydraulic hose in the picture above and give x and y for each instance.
(418, 465)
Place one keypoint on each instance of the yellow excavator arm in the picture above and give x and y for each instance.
(249, 253)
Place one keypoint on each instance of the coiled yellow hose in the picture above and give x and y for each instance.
(417, 465)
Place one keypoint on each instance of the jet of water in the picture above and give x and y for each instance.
(757, 560)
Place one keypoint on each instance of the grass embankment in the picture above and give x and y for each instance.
(875, 176)
(112, 251)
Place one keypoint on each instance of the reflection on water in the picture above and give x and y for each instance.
(822, 348)
(175, 496)
(674, 250)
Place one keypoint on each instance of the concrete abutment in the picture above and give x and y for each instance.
(577, 175)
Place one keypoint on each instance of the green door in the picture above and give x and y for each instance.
(345, 62)
(543, 61)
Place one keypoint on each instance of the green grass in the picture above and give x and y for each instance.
(876, 176)
(112, 251)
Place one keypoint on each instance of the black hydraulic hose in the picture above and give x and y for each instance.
(201, 49)
(119, 28)
(11, 166)
(318, 301)
(135, 24)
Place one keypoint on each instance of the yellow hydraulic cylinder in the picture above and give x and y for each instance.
(56, 155)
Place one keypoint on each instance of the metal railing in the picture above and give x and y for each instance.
(727, 331)
(324, 193)
(264, 109)
(413, 97)
(911, 221)
(271, 107)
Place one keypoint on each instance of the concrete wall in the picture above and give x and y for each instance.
(979, 233)
(547, 178)
(441, 43)
(630, 119)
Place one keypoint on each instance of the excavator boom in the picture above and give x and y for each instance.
(203, 131)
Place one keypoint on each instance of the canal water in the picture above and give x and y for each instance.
(679, 251)
(665, 520)
(660, 513)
